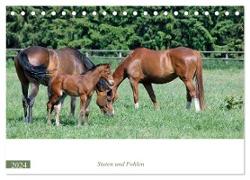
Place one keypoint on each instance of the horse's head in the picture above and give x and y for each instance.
(104, 90)
(104, 102)
(105, 99)
(105, 72)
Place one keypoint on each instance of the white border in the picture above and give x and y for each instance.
(112, 2)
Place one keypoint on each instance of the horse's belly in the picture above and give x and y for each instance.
(159, 79)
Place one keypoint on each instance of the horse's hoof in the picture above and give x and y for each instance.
(58, 125)
(86, 124)
(136, 105)
(26, 120)
(157, 108)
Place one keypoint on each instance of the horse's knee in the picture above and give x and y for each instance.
(192, 94)
(32, 101)
(87, 113)
(25, 102)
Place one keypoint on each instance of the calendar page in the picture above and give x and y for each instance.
(123, 88)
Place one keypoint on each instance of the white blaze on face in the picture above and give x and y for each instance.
(61, 93)
(111, 82)
(197, 104)
(136, 105)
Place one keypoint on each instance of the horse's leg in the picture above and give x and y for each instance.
(149, 88)
(72, 105)
(31, 99)
(192, 93)
(87, 109)
(134, 85)
(25, 90)
(83, 100)
(189, 99)
(50, 105)
(58, 107)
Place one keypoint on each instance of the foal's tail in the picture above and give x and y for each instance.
(199, 82)
(39, 73)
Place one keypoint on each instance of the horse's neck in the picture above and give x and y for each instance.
(119, 75)
(93, 77)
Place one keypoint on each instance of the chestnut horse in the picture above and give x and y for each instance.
(147, 66)
(37, 65)
(77, 85)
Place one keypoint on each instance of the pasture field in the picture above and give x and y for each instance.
(172, 120)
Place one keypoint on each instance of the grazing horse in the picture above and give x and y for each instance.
(147, 66)
(37, 65)
(77, 85)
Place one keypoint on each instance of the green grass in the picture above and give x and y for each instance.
(171, 121)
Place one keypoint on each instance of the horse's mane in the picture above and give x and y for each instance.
(89, 65)
(93, 68)
(124, 59)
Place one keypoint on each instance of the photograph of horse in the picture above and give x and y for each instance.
(147, 66)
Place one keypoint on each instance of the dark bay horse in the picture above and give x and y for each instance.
(147, 66)
(77, 85)
(37, 65)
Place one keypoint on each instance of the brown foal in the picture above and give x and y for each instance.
(77, 85)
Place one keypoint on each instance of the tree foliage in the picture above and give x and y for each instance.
(160, 31)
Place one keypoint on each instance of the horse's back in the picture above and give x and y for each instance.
(183, 53)
(70, 61)
(184, 61)
(37, 55)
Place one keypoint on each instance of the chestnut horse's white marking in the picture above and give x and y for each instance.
(197, 104)
(136, 105)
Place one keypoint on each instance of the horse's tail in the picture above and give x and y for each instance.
(199, 82)
(39, 73)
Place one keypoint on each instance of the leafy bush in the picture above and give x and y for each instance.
(232, 102)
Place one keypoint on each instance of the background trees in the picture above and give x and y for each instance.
(126, 32)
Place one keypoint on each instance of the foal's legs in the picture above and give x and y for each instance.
(58, 107)
(50, 105)
(31, 100)
(192, 94)
(72, 105)
(83, 100)
(149, 88)
(134, 86)
(87, 109)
